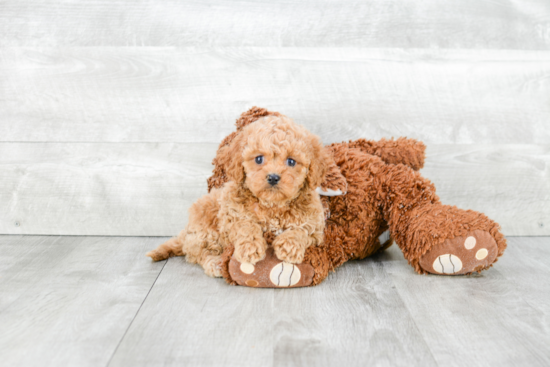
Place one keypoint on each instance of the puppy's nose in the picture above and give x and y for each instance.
(273, 179)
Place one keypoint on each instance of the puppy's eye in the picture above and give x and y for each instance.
(291, 162)
(259, 159)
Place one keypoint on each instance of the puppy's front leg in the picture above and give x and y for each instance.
(291, 245)
(247, 237)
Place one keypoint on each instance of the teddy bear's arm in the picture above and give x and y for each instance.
(334, 183)
(409, 152)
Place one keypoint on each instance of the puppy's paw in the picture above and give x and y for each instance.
(250, 252)
(289, 250)
(212, 266)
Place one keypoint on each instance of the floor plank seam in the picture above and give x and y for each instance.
(406, 306)
(137, 313)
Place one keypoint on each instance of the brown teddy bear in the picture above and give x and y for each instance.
(373, 187)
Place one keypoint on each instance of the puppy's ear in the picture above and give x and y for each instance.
(230, 157)
(320, 162)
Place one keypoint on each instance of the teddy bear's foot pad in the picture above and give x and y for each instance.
(461, 255)
(271, 273)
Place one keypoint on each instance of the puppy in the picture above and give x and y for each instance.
(274, 166)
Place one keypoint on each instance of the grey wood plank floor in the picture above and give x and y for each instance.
(67, 301)
(98, 301)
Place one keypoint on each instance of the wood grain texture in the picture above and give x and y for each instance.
(509, 183)
(195, 94)
(67, 301)
(146, 189)
(354, 23)
(193, 320)
(484, 320)
(354, 318)
(84, 301)
(523, 254)
(93, 189)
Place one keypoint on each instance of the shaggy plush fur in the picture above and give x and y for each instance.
(383, 190)
(266, 178)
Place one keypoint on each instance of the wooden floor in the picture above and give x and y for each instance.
(98, 301)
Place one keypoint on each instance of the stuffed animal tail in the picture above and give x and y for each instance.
(170, 248)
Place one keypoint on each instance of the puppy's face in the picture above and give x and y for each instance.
(274, 174)
(277, 159)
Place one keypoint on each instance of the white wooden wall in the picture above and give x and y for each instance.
(111, 112)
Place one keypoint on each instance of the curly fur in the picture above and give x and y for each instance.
(383, 191)
(242, 206)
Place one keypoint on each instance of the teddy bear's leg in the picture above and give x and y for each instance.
(475, 251)
(434, 238)
(272, 272)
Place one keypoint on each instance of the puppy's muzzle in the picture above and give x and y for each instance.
(273, 179)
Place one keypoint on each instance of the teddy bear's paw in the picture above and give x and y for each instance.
(474, 252)
(271, 273)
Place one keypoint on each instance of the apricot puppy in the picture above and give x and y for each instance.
(274, 167)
